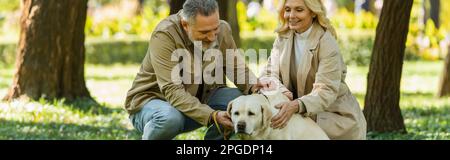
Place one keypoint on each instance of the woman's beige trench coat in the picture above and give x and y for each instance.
(320, 82)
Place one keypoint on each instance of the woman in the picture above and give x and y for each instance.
(305, 64)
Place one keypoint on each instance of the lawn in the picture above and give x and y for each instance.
(426, 117)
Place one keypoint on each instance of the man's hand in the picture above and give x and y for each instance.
(287, 109)
(224, 119)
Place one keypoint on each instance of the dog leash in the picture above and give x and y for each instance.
(217, 125)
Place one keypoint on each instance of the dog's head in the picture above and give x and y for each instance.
(249, 113)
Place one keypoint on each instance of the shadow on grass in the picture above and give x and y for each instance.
(15, 130)
(415, 111)
(84, 105)
(394, 136)
(422, 123)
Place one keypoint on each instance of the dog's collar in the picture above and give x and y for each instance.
(264, 95)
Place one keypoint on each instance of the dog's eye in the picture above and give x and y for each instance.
(251, 113)
(236, 113)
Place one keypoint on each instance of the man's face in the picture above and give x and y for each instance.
(204, 29)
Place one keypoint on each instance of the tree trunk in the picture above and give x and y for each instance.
(175, 6)
(426, 13)
(382, 109)
(444, 89)
(50, 56)
(435, 7)
(369, 5)
(228, 12)
(140, 7)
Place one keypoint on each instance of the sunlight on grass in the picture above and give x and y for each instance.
(110, 85)
(38, 120)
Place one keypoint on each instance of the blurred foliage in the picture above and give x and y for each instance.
(125, 51)
(445, 11)
(264, 20)
(347, 4)
(356, 46)
(7, 54)
(348, 20)
(356, 32)
(9, 5)
(142, 24)
(425, 41)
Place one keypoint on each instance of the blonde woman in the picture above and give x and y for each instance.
(305, 64)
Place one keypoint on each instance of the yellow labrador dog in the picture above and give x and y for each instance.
(251, 116)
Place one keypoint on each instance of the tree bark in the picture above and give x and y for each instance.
(382, 109)
(228, 12)
(435, 7)
(50, 56)
(175, 6)
(140, 7)
(444, 89)
(369, 5)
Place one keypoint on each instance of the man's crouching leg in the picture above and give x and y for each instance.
(158, 120)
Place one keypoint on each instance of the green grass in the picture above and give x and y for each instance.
(78, 120)
(426, 117)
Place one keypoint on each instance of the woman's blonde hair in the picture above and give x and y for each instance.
(315, 6)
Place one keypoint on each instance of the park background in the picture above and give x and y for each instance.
(116, 40)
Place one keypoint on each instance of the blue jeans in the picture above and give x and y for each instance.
(158, 120)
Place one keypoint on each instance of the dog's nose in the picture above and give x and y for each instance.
(241, 126)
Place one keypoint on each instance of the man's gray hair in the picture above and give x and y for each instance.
(193, 7)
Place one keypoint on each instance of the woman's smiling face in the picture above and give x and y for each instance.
(297, 15)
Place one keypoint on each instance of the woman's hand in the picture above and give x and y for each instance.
(287, 109)
(289, 95)
(263, 85)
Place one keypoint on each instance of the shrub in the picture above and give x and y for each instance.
(7, 54)
(97, 52)
(116, 51)
(356, 47)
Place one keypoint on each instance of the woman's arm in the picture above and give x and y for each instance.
(271, 72)
(328, 78)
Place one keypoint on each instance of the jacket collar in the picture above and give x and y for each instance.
(177, 21)
(317, 32)
(312, 43)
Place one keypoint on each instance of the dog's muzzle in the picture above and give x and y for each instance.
(241, 127)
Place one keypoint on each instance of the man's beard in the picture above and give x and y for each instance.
(205, 46)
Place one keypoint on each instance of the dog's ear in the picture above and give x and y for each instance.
(266, 114)
(265, 110)
(229, 107)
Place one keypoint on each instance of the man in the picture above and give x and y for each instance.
(161, 108)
